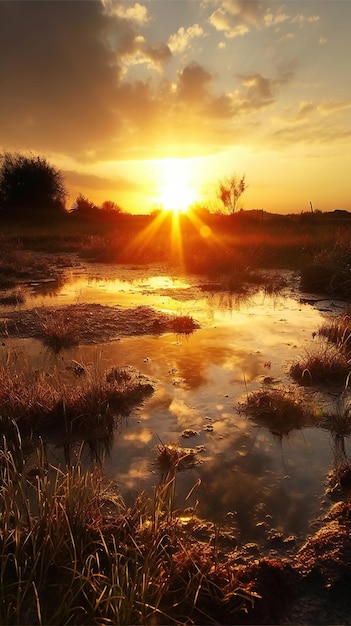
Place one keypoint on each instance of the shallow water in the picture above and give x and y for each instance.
(252, 481)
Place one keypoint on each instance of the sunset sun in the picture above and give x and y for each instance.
(177, 192)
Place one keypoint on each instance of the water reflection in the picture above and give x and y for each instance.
(249, 478)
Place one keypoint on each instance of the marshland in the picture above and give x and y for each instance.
(175, 418)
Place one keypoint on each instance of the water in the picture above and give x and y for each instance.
(249, 479)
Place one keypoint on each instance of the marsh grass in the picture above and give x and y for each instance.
(13, 299)
(93, 403)
(57, 329)
(327, 366)
(338, 331)
(276, 409)
(172, 458)
(184, 324)
(72, 552)
(330, 269)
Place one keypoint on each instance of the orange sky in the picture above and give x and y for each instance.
(151, 103)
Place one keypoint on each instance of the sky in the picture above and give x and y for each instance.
(150, 104)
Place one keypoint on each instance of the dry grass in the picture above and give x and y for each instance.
(57, 330)
(338, 332)
(15, 298)
(328, 366)
(172, 458)
(36, 401)
(276, 409)
(71, 552)
(184, 324)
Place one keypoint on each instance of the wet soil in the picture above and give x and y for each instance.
(92, 323)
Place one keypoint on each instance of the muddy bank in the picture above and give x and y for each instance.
(311, 587)
(91, 323)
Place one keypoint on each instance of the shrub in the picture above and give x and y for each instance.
(30, 186)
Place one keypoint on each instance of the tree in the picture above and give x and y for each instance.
(230, 191)
(30, 185)
(84, 207)
(110, 207)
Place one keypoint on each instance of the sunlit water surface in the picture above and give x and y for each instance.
(251, 479)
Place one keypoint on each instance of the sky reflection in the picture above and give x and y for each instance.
(248, 475)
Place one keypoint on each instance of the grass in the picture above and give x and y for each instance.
(330, 269)
(172, 458)
(13, 299)
(57, 330)
(338, 332)
(276, 409)
(327, 366)
(184, 324)
(72, 552)
(93, 403)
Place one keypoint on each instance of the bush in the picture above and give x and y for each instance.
(29, 185)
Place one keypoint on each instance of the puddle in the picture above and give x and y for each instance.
(248, 478)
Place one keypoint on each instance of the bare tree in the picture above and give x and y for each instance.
(230, 191)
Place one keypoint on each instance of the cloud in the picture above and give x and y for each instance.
(238, 17)
(59, 74)
(223, 21)
(183, 37)
(193, 83)
(61, 71)
(99, 183)
(302, 19)
(135, 13)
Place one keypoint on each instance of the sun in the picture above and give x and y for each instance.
(176, 190)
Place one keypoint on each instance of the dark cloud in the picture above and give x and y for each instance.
(193, 83)
(58, 75)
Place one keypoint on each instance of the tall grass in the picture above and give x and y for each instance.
(72, 552)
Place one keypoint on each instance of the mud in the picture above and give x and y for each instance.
(91, 323)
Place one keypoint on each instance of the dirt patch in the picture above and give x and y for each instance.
(92, 323)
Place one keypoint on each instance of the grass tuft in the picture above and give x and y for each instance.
(328, 366)
(276, 409)
(57, 330)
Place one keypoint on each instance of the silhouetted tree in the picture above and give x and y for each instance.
(84, 207)
(230, 191)
(110, 207)
(30, 186)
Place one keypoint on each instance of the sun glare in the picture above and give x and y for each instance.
(176, 192)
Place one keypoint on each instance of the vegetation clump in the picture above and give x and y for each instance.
(57, 330)
(276, 409)
(338, 332)
(37, 402)
(328, 366)
(172, 458)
